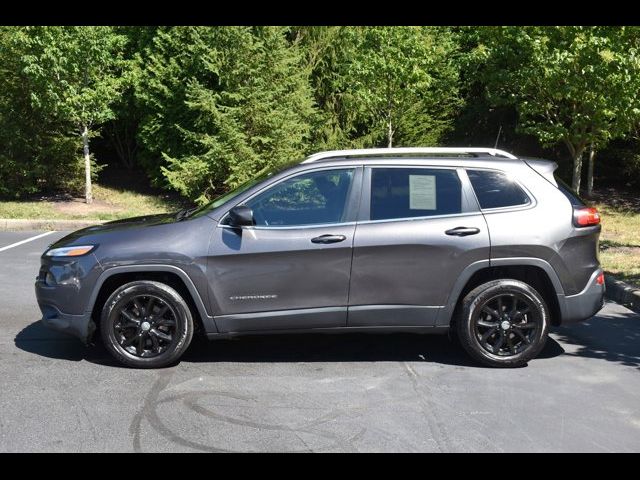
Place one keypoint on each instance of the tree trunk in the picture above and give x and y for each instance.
(577, 169)
(87, 165)
(122, 138)
(390, 133)
(592, 156)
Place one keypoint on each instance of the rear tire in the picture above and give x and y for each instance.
(146, 324)
(503, 323)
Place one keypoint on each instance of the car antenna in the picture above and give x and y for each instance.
(498, 137)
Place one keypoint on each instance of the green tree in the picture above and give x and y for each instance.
(36, 152)
(162, 70)
(327, 52)
(399, 73)
(74, 74)
(223, 104)
(122, 129)
(365, 79)
(576, 85)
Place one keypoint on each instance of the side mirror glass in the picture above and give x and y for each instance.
(241, 216)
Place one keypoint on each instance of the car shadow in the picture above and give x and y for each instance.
(40, 340)
(614, 338)
(292, 348)
(347, 347)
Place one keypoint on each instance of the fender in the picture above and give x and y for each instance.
(444, 316)
(207, 320)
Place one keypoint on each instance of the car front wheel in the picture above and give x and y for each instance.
(503, 323)
(146, 324)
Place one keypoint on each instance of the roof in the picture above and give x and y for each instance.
(409, 151)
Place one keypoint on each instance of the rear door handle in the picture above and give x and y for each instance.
(462, 231)
(329, 239)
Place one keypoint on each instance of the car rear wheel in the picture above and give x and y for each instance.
(503, 323)
(146, 324)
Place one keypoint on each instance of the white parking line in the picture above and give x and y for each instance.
(26, 241)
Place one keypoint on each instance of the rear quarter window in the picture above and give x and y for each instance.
(496, 190)
(568, 192)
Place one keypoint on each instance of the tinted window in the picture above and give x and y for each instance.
(568, 192)
(310, 198)
(495, 189)
(414, 192)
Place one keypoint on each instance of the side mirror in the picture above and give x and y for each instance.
(241, 216)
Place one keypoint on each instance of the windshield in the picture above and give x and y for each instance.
(222, 199)
(230, 195)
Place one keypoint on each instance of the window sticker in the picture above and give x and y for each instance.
(422, 192)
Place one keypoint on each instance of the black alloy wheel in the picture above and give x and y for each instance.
(146, 324)
(503, 323)
(506, 324)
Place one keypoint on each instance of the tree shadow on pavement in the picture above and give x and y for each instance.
(615, 338)
(284, 348)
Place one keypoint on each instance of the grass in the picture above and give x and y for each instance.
(620, 241)
(109, 204)
(29, 210)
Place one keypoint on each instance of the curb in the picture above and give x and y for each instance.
(622, 293)
(17, 224)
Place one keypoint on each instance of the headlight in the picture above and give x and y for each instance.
(74, 251)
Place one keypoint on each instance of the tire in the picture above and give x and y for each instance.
(146, 339)
(497, 333)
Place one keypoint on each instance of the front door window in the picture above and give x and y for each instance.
(312, 198)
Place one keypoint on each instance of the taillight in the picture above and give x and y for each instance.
(600, 279)
(585, 217)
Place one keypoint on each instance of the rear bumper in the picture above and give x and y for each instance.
(80, 326)
(583, 305)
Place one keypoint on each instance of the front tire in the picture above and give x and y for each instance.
(146, 324)
(503, 323)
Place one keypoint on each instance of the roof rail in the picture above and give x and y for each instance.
(381, 152)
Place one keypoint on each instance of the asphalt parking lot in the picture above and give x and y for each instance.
(355, 392)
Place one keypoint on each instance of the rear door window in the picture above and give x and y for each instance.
(496, 190)
(414, 192)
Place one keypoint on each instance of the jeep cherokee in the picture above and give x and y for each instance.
(423, 240)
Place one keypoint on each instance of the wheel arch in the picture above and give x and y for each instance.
(533, 271)
(173, 276)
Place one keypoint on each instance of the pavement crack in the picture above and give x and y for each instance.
(426, 406)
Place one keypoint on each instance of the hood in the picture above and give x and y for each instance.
(117, 225)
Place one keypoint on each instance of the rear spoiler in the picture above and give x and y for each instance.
(544, 168)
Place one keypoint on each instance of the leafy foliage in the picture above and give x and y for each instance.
(57, 82)
(246, 107)
(375, 85)
(202, 109)
(575, 85)
(398, 74)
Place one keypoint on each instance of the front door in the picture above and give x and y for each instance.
(292, 269)
(419, 232)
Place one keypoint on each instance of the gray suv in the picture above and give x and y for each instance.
(395, 240)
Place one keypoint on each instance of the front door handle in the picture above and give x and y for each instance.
(329, 239)
(462, 231)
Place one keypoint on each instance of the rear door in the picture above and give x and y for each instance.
(418, 230)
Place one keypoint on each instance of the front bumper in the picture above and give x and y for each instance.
(63, 287)
(583, 305)
(80, 326)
